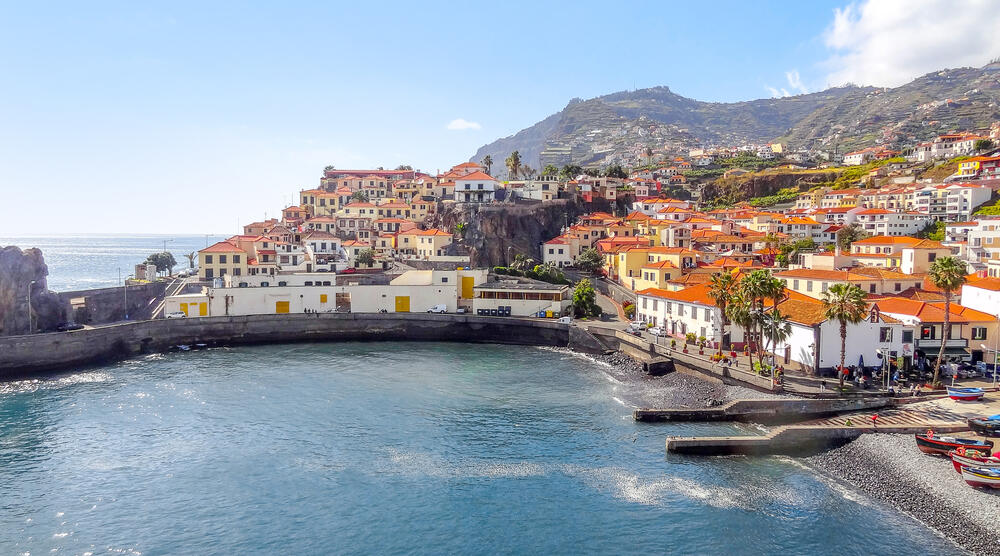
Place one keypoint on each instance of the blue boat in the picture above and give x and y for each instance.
(965, 394)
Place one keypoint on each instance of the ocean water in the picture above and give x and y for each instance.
(84, 262)
(395, 448)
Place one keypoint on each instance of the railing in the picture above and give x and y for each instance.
(936, 343)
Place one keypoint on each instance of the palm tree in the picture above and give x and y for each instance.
(947, 273)
(755, 289)
(487, 163)
(775, 328)
(722, 290)
(513, 163)
(844, 303)
(190, 257)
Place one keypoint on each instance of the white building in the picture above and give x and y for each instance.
(882, 222)
(477, 187)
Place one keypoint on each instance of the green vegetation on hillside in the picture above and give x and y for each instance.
(852, 175)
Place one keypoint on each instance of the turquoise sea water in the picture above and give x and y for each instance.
(84, 262)
(395, 448)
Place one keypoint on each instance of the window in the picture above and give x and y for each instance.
(444, 279)
(222, 259)
(308, 283)
(978, 332)
(927, 332)
(680, 310)
(931, 257)
(236, 258)
(885, 334)
(644, 302)
(265, 284)
(795, 284)
(809, 285)
(871, 288)
(236, 272)
(708, 317)
(208, 273)
(282, 283)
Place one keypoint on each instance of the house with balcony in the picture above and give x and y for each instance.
(476, 187)
(970, 329)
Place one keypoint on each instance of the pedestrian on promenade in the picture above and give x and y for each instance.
(822, 386)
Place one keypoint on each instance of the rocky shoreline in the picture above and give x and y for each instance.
(673, 390)
(890, 469)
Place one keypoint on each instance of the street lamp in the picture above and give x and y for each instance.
(126, 294)
(995, 356)
(30, 284)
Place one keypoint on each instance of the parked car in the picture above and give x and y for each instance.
(349, 270)
(461, 311)
(657, 331)
(175, 315)
(564, 320)
(438, 309)
(68, 326)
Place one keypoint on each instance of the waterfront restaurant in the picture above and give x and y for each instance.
(520, 297)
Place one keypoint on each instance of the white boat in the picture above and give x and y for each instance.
(980, 477)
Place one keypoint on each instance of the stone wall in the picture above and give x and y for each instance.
(103, 305)
(20, 355)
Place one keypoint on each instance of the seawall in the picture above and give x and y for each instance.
(28, 354)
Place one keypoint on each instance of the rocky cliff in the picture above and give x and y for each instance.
(494, 234)
(17, 270)
(750, 186)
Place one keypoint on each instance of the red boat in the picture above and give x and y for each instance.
(962, 457)
(931, 444)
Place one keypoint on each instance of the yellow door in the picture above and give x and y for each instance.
(281, 306)
(402, 304)
(467, 284)
(184, 309)
(322, 298)
(203, 309)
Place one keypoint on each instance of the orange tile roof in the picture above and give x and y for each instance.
(477, 175)
(222, 247)
(882, 240)
(931, 312)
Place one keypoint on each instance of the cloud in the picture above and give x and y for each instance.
(462, 125)
(795, 81)
(891, 42)
(777, 92)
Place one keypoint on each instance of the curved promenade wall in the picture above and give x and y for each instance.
(21, 355)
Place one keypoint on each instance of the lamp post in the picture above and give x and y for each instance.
(126, 293)
(30, 284)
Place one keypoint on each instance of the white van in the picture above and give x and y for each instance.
(564, 320)
(438, 309)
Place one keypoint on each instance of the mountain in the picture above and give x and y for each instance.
(618, 127)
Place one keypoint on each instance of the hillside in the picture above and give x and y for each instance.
(619, 126)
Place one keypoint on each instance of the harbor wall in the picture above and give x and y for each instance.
(27, 354)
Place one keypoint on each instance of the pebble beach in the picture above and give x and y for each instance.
(890, 469)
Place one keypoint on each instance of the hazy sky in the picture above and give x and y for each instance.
(191, 117)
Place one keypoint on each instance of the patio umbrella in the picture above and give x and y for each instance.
(861, 361)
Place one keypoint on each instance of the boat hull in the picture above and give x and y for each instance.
(980, 478)
(985, 427)
(943, 445)
(959, 461)
(965, 394)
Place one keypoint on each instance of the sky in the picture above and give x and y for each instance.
(197, 117)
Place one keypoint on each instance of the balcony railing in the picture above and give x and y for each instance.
(935, 343)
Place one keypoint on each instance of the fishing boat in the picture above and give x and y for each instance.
(931, 444)
(965, 394)
(973, 458)
(980, 477)
(988, 426)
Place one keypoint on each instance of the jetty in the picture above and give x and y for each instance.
(942, 415)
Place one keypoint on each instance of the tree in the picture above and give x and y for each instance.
(521, 262)
(487, 163)
(365, 257)
(528, 171)
(948, 274)
(747, 308)
(589, 260)
(164, 261)
(191, 257)
(328, 168)
(983, 144)
(585, 300)
(461, 228)
(404, 167)
(775, 328)
(722, 289)
(359, 196)
(846, 304)
(848, 235)
(550, 170)
(513, 164)
(570, 171)
(615, 171)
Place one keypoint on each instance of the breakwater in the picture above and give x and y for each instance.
(21, 355)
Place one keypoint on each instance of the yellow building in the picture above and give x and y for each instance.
(222, 259)
(656, 275)
(424, 243)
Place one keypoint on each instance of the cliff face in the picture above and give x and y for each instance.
(491, 230)
(17, 270)
(745, 188)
